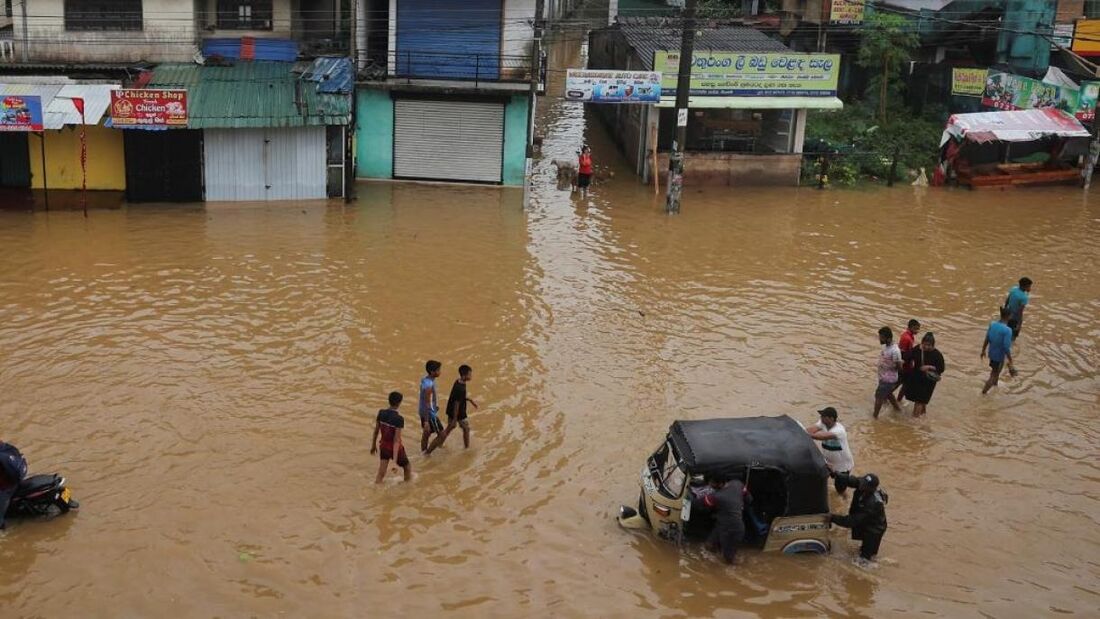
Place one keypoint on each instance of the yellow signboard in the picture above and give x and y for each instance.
(968, 82)
(1086, 37)
(846, 12)
(764, 74)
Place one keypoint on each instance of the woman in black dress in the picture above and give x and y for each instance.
(928, 365)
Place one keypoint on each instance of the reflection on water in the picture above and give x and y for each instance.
(207, 377)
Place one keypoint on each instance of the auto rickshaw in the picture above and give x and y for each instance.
(787, 481)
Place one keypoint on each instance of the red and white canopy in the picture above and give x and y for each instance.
(1019, 126)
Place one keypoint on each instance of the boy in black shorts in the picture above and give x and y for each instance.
(456, 409)
(389, 424)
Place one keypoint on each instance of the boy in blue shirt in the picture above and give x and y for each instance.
(998, 340)
(1016, 301)
(429, 405)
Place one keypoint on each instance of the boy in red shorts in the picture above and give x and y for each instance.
(389, 424)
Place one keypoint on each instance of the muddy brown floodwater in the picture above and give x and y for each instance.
(206, 378)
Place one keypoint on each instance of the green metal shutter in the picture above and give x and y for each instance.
(448, 140)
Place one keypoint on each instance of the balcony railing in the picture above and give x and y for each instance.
(424, 65)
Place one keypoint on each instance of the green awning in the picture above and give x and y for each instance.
(758, 103)
(251, 94)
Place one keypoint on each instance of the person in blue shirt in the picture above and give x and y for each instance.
(998, 341)
(1016, 301)
(429, 404)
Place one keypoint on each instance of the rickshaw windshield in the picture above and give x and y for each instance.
(670, 476)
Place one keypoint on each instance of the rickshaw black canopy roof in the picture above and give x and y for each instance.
(732, 446)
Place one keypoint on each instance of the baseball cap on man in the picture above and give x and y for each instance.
(828, 411)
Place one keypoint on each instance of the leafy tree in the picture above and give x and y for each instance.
(888, 44)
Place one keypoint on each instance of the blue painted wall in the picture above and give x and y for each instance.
(515, 140)
(374, 134)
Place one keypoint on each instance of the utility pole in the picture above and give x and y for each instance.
(536, 73)
(683, 91)
(26, 41)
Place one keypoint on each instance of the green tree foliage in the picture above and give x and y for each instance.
(887, 45)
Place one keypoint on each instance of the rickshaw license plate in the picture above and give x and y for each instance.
(66, 494)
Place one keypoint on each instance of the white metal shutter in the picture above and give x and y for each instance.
(448, 140)
(265, 164)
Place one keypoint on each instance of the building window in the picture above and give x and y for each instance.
(84, 15)
(244, 15)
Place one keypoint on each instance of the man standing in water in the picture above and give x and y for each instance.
(456, 409)
(1015, 302)
(906, 343)
(998, 340)
(389, 424)
(728, 503)
(429, 405)
(889, 364)
(867, 514)
(584, 170)
(834, 444)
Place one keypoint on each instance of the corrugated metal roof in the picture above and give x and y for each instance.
(57, 105)
(333, 74)
(251, 94)
(646, 40)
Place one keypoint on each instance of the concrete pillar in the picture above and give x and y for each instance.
(612, 11)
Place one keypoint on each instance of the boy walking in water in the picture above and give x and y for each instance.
(1015, 302)
(389, 424)
(456, 409)
(429, 405)
(889, 364)
(998, 340)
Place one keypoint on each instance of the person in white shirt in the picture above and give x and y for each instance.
(834, 444)
(889, 367)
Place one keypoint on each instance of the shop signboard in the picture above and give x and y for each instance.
(20, 113)
(613, 86)
(148, 108)
(968, 82)
(1005, 91)
(1086, 37)
(848, 12)
(731, 74)
(1062, 37)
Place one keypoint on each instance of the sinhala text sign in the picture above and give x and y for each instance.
(148, 108)
(20, 113)
(846, 11)
(968, 82)
(613, 86)
(771, 74)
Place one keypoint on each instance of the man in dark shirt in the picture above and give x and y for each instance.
(456, 409)
(389, 425)
(13, 468)
(867, 515)
(728, 503)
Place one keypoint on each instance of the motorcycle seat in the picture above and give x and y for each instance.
(34, 483)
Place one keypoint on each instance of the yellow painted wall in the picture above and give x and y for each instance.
(106, 159)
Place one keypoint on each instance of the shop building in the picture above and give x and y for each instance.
(50, 159)
(741, 130)
(256, 130)
(445, 92)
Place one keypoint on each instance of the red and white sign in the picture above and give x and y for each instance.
(148, 108)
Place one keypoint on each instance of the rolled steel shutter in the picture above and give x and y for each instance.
(448, 140)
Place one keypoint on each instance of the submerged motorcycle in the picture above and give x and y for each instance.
(38, 495)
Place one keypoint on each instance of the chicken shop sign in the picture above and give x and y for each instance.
(146, 108)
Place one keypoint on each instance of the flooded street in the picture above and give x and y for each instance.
(207, 377)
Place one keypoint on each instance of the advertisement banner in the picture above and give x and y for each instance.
(846, 12)
(1063, 36)
(613, 86)
(968, 82)
(1086, 101)
(1005, 91)
(20, 113)
(149, 109)
(730, 74)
